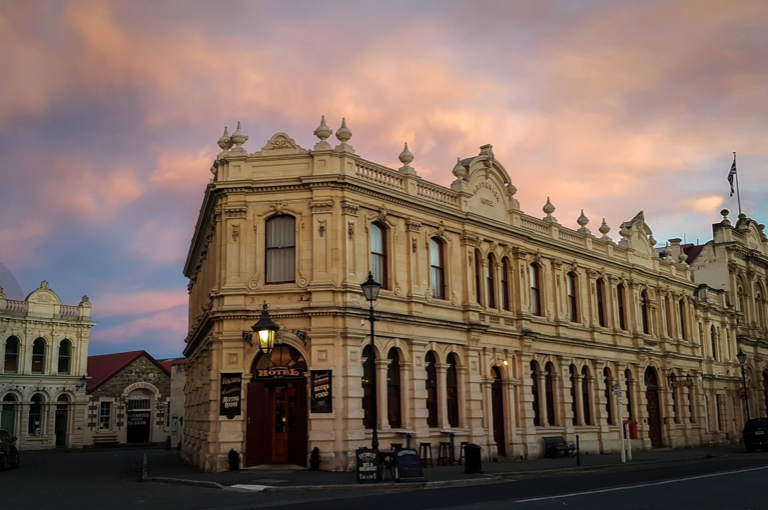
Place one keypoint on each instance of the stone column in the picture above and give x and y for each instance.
(441, 370)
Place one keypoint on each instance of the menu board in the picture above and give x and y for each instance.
(409, 466)
(321, 400)
(231, 395)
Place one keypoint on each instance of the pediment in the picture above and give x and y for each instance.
(487, 181)
(279, 145)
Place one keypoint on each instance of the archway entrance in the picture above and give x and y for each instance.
(8, 414)
(653, 408)
(61, 420)
(139, 410)
(277, 409)
(497, 409)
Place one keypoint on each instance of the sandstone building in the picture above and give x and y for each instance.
(44, 348)
(493, 326)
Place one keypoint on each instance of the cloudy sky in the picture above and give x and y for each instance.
(110, 112)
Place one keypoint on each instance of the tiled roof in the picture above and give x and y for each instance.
(168, 363)
(101, 368)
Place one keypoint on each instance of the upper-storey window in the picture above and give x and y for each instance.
(281, 249)
(645, 307)
(11, 365)
(668, 313)
(478, 278)
(65, 356)
(601, 302)
(38, 356)
(437, 268)
(740, 295)
(535, 282)
(379, 254)
(620, 298)
(505, 304)
(759, 308)
(681, 305)
(713, 341)
(490, 270)
(570, 286)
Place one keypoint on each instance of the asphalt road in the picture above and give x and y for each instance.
(107, 479)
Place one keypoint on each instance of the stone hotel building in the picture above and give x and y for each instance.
(493, 326)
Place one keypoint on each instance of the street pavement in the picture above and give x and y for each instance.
(164, 466)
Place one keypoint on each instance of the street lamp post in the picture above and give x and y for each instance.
(742, 359)
(371, 290)
(266, 331)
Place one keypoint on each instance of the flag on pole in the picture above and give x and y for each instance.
(732, 173)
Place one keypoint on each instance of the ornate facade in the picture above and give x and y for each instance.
(492, 326)
(44, 348)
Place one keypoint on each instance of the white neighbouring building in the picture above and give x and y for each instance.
(44, 348)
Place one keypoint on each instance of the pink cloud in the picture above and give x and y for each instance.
(20, 241)
(155, 241)
(181, 170)
(170, 323)
(132, 303)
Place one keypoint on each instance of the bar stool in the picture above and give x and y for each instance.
(461, 451)
(425, 454)
(444, 457)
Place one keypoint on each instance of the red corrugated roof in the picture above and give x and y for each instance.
(101, 368)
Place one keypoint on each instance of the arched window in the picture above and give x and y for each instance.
(490, 274)
(585, 395)
(379, 254)
(505, 304)
(549, 370)
(608, 395)
(35, 423)
(431, 384)
(452, 391)
(65, 355)
(574, 409)
(713, 340)
(681, 305)
(281, 249)
(368, 368)
(600, 302)
(759, 309)
(437, 265)
(668, 313)
(620, 298)
(535, 281)
(628, 382)
(11, 365)
(535, 392)
(478, 278)
(573, 309)
(645, 307)
(740, 294)
(38, 356)
(394, 413)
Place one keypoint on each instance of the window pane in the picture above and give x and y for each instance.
(38, 356)
(281, 251)
(11, 355)
(105, 416)
(64, 357)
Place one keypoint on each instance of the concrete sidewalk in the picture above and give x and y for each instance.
(165, 466)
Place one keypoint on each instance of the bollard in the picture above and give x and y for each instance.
(472, 459)
(234, 460)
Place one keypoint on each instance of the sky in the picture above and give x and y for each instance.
(110, 112)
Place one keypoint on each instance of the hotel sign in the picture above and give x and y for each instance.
(278, 372)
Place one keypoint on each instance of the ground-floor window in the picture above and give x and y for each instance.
(105, 416)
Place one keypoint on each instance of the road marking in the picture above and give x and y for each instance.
(255, 488)
(630, 487)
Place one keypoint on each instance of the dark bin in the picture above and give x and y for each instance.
(472, 461)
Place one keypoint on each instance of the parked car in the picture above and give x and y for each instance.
(756, 434)
(9, 454)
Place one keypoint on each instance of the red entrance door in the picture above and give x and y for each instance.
(277, 422)
(653, 408)
(497, 409)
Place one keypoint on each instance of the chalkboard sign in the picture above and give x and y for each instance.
(231, 385)
(408, 466)
(321, 397)
(367, 465)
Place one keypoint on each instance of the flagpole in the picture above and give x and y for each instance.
(738, 196)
